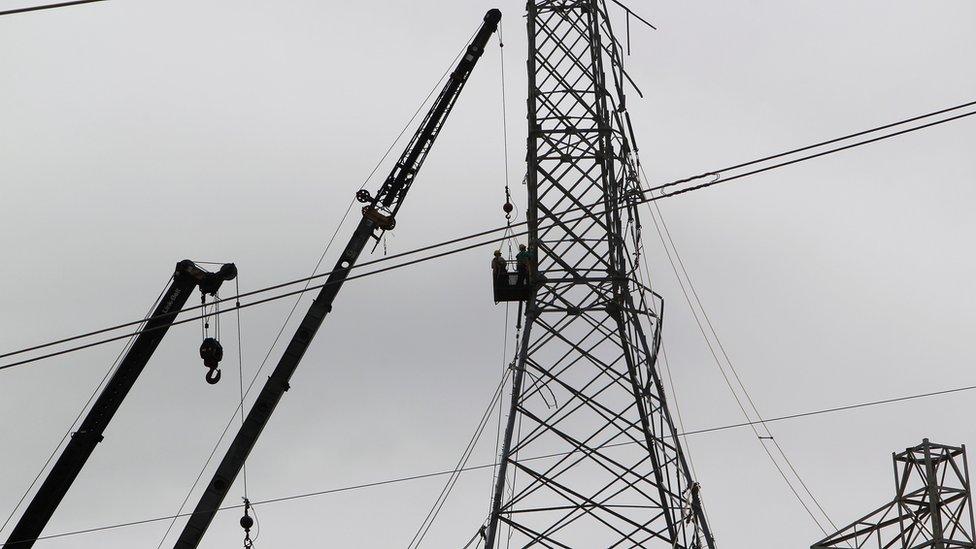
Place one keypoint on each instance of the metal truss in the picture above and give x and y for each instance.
(586, 391)
(932, 505)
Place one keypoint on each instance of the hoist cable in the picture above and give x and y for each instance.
(397, 480)
(501, 56)
(650, 197)
(508, 221)
(240, 374)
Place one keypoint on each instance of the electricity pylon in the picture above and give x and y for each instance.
(586, 390)
(933, 505)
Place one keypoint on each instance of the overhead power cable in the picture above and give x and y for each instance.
(649, 196)
(398, 480)
(683, 278)
(445, 492)
(48, 6)
(822, 144)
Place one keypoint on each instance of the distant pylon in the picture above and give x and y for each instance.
(586, 390)
(932, 508)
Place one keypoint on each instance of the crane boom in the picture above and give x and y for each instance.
(70, 463)
(378, 216)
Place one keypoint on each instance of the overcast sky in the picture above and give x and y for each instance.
(135, 133)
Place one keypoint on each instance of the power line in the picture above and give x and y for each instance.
(648, 197)
(822, 143)
(48, 7)
(804, 158)
(666, 241)
(398, 480)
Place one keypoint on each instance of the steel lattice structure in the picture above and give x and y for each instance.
(932, 507)
(586, 390)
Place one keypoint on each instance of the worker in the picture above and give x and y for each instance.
(499, 267)
(523, 262)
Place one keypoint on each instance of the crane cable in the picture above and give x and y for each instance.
(507, 208)
(246, 521)
(647, 196)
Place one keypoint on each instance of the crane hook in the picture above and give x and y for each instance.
(213, 376)
(212, 353)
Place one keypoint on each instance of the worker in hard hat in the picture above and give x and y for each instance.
(499, 267)
(523, 263)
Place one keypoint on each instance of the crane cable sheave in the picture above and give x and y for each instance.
(382, 207)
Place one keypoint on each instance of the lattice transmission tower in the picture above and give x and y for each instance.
(586, 390)
(933, 505)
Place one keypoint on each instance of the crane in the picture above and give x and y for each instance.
(186, 278)
(379, 215)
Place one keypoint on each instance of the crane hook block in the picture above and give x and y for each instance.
(212, 353)
(213, 376)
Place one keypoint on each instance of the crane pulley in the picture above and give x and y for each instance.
(211, 351)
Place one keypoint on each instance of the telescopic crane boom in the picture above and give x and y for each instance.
(378, 216)
(186, 278)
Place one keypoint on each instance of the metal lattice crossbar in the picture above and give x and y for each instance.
(932, 505)
(586, 388)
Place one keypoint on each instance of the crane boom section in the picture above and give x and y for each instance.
(395, 188)
(389, 198)
(71, 461)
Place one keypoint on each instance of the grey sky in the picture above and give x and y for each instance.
(135, 133)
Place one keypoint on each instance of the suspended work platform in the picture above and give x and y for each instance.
(510, 285)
